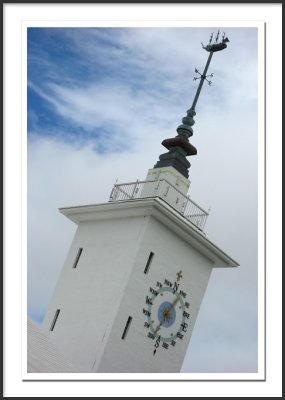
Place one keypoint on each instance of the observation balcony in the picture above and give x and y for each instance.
(166, 191)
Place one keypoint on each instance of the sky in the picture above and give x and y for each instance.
(100, 102)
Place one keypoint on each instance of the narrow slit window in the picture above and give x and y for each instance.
(148, 262)
(77, 257)
(54, 320)
(127, 327)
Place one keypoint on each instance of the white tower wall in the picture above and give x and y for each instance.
(168, 184)
(88, 295)
(109, 284)
(171, 254)
(171, 175)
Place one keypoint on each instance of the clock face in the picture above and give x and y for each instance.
(166, 313)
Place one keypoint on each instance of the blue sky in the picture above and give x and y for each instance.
(100, 101)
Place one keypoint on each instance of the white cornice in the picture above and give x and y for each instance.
(160, 210)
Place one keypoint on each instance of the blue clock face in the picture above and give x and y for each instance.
(167, 313)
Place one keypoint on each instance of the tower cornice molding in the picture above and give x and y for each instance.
(161, 211)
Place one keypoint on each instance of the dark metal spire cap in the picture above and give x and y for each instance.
(180, 141)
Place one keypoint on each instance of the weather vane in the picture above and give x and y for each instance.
(185, 129)
(180, 147)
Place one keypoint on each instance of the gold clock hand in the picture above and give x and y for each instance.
(166, 314)
(175, 302)
(159, 325)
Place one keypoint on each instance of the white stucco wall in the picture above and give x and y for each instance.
(171, 175)
(171, 254)
(108, 285)
(88, 295)
(174, 194)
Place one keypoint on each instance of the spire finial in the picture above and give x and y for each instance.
(187, 122)
(179, 146)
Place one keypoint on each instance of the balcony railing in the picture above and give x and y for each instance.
(166, 191)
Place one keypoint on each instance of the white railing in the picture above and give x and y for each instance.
(166, 191)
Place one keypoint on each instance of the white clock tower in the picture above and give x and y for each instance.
(137, 270)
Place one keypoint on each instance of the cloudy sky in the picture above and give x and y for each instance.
(100, 101)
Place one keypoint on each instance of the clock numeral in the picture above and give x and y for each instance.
(165, 345)
(146, 324)
(156, 345)
(146, 312)
(153, 291)
(186, 315)
(179, 335)
(148, 300)
(167, 283)
(183, 294)
(187, 305)
(150, 335)
(173, 343)
(176, 286)
(157, 342)
(158, 284)
(184, 327)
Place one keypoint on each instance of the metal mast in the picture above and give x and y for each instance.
(179, 147)
(185, 129)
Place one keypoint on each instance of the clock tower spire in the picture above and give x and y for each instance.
(179, 146)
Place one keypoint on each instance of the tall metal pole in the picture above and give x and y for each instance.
(203, 77)
(179, 146)
(185, 130)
